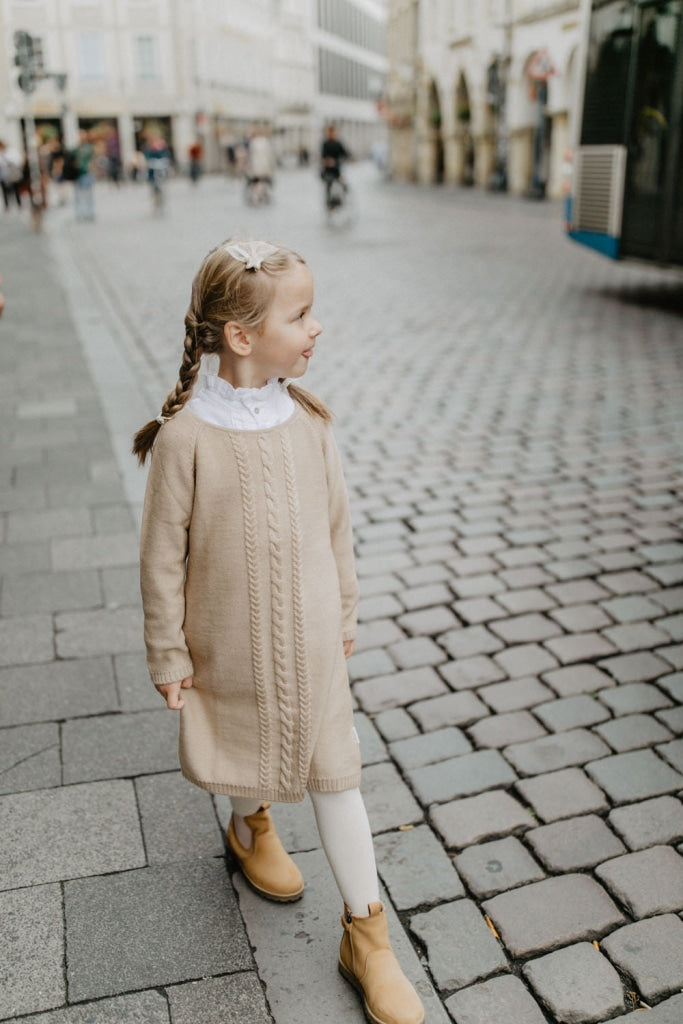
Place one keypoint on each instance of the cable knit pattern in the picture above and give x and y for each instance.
(300, 659)
(277, 599)
(253, 577)
(248, 584)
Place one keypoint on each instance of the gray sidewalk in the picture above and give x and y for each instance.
(518, 680)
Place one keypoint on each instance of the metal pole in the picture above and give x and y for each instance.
(33, 163)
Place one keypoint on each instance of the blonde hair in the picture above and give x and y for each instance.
(224, 290)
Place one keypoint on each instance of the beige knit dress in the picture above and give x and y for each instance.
(248, 585)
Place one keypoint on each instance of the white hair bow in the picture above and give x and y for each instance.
(251, 253)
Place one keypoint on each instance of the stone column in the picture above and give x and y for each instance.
(520, 159)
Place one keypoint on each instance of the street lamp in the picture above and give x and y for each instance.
(30, 61)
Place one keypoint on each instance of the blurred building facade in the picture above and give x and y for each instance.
(351, 60)
(199, 69)
(481, 91)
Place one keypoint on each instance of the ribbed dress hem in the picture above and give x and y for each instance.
(280, 796)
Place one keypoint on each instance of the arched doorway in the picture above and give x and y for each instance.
(464, 143)
(538, 71)
(435, 123)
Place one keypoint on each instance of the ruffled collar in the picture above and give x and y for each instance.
(218, 390)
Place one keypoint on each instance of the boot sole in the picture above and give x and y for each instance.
(275, 897)
(353, 980)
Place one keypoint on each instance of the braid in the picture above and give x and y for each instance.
(176, 399)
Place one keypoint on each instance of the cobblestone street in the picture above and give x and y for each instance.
(509, 409)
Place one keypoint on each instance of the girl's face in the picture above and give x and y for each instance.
(283, 344)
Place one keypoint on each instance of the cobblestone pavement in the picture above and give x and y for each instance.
(510, 412)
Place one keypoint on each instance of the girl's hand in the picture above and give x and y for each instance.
(171, 693)
(348, 647)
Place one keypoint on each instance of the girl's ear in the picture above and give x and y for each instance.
(236, 339)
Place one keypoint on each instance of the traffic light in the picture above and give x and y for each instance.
(29, 58)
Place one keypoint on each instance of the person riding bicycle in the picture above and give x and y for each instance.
(260, 169)
(158, 157)
(332, 155)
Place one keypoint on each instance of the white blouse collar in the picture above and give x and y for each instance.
(221, 390)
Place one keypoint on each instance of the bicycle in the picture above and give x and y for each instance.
(339, 205)
(257, 191)
(156, 176)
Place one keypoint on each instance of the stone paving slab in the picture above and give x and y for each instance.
(636, 775)
(30, 758)
(301, 940)
(500, 998)
(649, 823)
(32, 966)
(50, 592)
(54, 834)
(140, 1008)
(429, 748)
(400, 688)
(576, 679)
(57, 690)
(450, 709)
(561, 750)
(415, 868)
(632, 732)
(574, 844)
(26, 639)
(650, 952)
(469, 820)
(551, 913)
(388, 800)
(648, 882)
(234, 999)
(515, 695)
(178, 820)
(105, 631)
(577, 984)
(191, 928)
(460, 946)
(133, 684)
(111, 746)
(497, 866)
(460, 776)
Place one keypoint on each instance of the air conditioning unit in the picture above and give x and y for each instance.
(598, 189)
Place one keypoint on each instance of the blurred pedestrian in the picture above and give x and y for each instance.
(158, 157)
(84, 191)
(260, 169)
(56, 168)
(250, 594)
(113, 156)
(195, 155)
(333, 153)
(11, 174)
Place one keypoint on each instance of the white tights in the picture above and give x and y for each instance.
(346, 838)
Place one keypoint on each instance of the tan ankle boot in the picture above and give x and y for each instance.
(267, 866)
(367, 960)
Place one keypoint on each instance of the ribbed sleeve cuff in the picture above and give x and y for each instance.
(172, 675)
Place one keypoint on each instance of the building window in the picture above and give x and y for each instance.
(339, 76)
(146, 63)
(342, 19)
(91, 57)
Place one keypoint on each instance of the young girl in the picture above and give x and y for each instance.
(250, 594)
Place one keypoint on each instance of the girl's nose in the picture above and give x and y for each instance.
(316, 329)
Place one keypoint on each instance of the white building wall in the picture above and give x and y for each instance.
(350, 94)
(213, 67)
(458, 142)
